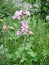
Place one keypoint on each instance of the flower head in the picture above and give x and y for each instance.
(4, 27)
(30, 33)
(24, 27)
(17, 15)
(27, 13)
(19, 33)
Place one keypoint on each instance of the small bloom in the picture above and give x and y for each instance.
(23, 30)
(20, 12)
(30, 33)
(14, 17)
(4, 27)
(24, 27)
(19, 33)
(27, 13)
(17, 15)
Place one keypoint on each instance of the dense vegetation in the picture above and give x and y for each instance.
(24, 49)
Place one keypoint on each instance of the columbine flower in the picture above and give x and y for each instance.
(24, 27)
(27, 13)
(4, 27)
(19, 33)
(30, 33)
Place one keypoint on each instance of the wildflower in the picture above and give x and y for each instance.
(17, 15)
(20, 12)
(14, 17)
(4, 27)
(30, 33)
(27, 13)
(24, 27)
(19, 33)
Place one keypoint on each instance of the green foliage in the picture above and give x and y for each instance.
(13, 49)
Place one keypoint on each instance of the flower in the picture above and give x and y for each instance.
(27, 13)
(30, 33)
(20, 12)
(17, 15)
(14, 17)
(19, 33)
(24, 27)
(4, 27)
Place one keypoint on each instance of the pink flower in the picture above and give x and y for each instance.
(19, 33)
(27, 13)
(20, 12)
(30, 33)
(14, 17)
(17, 15)
(24, 27)
(4, 27)
(23, 30)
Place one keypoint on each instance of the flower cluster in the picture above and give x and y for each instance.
(24, 29)
(18, 14)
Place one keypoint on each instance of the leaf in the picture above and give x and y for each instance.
(22, 60)
(31, 53)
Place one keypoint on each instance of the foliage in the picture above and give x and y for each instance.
(26, 49)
